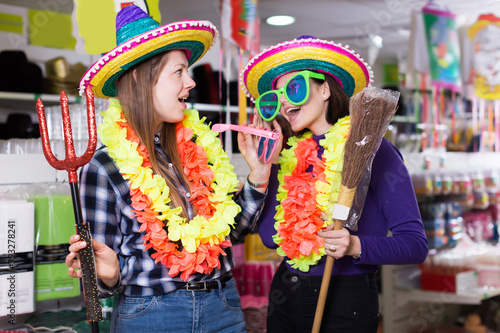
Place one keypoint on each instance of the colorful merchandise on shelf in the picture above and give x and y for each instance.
(433, 217)
(488, 275)
(255, 277)
(54, 225)
(492, 184)
(454, 222)
(437, 184)
(481, 198)
(447, 181)
(423, 184)
(494, 211)
(450, 283)
(255, 250)
(446, 271)
(239, 254)
(469, 189)
(479, 225)
(462, 183)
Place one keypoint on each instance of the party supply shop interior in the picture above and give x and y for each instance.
(447, 127)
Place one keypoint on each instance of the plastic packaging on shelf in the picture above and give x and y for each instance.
(433, 217)
(481, 259)
(479, 225)
(454, 222)
(447, 181)
(54, 223)
(423, 184)
(492, 184)
(481, 200)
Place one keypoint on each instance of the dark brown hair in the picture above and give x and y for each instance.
(135, 92)
(338, 102)
(286, 129)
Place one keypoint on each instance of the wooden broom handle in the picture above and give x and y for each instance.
(325, 283)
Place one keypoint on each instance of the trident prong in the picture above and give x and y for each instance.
(71, 162)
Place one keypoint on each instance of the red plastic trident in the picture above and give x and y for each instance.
(71, 163)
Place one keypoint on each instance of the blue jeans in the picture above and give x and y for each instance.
(216, 311)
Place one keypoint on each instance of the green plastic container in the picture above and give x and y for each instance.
(54, 225)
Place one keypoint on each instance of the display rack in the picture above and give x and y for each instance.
(26, 169)
(404, 304)
(27, 101)
(474, 296)
(404, 309)
(451, 161)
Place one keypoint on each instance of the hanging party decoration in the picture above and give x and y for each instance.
(485, 38)
(240, 24)
(443, 48)
(482, 67)
(94, 22)
(434, 68)
(240, 29)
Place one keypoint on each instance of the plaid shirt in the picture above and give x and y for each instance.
(105, 197)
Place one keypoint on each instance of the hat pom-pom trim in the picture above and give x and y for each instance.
(130, 44)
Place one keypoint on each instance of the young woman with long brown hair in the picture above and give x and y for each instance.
(160, 194)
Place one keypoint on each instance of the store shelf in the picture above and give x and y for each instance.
(27, 101)
(473, 296)
(215, 107)
(403, 119)
(403, 301)
(25, 169)
(451, 161)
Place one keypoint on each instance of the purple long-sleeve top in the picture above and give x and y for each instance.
(390, 205)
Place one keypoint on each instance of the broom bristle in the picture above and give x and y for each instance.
(371, 111)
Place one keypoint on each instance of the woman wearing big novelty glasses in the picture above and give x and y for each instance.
(309, 82)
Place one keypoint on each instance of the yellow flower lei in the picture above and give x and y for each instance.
(198, 236)
(306, 251)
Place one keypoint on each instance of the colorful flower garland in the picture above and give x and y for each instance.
(212, 179)
(304, 195)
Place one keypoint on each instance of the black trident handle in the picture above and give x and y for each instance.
(87, 260)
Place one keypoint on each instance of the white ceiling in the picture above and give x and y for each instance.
(343, 21)
(347, 22)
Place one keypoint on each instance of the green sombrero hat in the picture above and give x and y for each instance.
(306, 52)
(139, 37)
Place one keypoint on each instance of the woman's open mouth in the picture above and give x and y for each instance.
(292, 112)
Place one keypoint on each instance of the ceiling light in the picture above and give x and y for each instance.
(280, 20)
(377, 40)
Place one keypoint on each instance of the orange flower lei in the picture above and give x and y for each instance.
(304, 195)
(207, 168)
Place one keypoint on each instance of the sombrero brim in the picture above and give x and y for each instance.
(345, 65)
(196, 37)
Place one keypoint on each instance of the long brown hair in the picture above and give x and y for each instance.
(135, 92)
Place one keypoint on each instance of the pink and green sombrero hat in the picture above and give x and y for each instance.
(139, 37)
(306, 52)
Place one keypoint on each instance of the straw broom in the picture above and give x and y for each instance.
(371, 110)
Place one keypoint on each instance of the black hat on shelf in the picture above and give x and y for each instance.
(18, 74)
